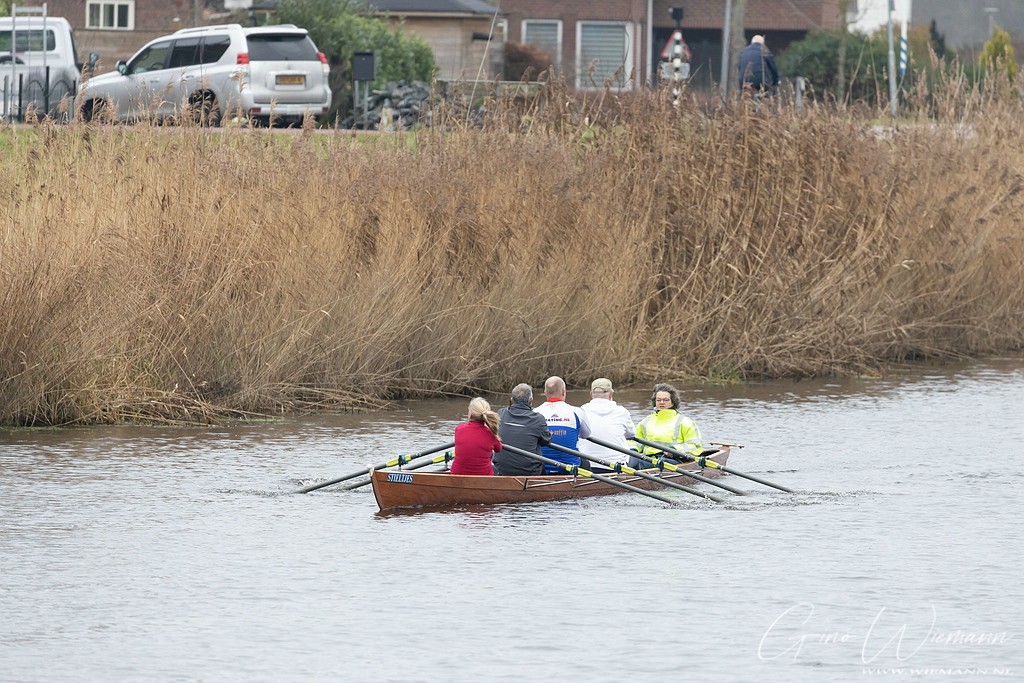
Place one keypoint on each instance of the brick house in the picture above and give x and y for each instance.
(457, 30)
(115, 29)
(590, 40)
(595, 39)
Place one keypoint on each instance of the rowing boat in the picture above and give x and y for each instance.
(397, 489)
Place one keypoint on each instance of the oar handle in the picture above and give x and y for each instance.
(572, 469)
(688, 473)
(447, 455)
(371, 468)
(619, 467)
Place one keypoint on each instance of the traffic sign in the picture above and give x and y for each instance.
(670, 46)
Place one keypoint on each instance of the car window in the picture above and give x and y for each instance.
(185, 53)
(214, 48)
(29, 40)
(281, 46)
(150, 59)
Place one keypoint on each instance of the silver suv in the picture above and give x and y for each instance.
(269, 72)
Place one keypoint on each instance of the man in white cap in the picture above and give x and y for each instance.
(608, 422)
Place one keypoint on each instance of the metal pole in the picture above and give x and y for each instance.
(892, 63)
(652, 79)
(677, 60)
(991, 21)
(725, 49)
(14, 46)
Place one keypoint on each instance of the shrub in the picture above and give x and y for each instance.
(526, 61)
(998, 54)
(341, 28)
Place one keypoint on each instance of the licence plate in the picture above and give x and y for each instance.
(291, 79)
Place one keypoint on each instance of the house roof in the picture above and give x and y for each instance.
(435, 7)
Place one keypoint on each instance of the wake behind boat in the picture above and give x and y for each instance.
(396, 489)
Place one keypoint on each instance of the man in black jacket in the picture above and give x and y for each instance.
(523, 428)
(758, 71)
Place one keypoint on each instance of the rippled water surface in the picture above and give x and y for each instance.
(183, 554)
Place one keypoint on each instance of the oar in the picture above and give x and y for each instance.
(446, 456)
(400, 460)
(620, 467)
(573, 469)
(669, 466)
(704, 462)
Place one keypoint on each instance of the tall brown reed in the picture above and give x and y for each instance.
(178, 274)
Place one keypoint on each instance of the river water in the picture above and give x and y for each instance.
(136, 554)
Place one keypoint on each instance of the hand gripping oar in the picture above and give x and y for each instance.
(402, 459)
(668, 466)
(575, 470)
(620, 467)
(447, 456)
(704, 462)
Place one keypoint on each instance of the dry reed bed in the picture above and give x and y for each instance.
(174, 274)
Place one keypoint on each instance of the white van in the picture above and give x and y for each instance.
(38, 66)
(268, 73)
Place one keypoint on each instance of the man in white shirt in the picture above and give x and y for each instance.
(568, 424)
(608, 422)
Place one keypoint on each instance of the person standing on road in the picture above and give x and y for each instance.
(567, 424)
(758, 71)
(608, 422)
(520, 426)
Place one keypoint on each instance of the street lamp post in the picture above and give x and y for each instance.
(991, 11)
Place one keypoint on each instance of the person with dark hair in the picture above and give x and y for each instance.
(476, 440)
(667, 425)
(758, 71)
(521, 427)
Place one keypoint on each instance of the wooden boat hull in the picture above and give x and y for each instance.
(395, 489)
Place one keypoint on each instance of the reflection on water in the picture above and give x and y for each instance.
(136, 553)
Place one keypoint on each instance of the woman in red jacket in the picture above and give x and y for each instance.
(476, 439)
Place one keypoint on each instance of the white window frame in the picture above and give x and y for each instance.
(583, 81)
(102, 4)
(558, 30)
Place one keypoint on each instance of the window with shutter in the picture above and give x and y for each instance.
(604, 53)
(547, 34)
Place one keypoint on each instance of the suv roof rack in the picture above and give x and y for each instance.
(205, 29)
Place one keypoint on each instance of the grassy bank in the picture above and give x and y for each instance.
(176, 274)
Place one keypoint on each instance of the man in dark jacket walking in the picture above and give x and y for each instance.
(758, 70)
(520, 426)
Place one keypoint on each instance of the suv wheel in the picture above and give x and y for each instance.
(92, 110)
(205, 109)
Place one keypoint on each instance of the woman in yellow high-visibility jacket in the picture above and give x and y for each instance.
(667, 425)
